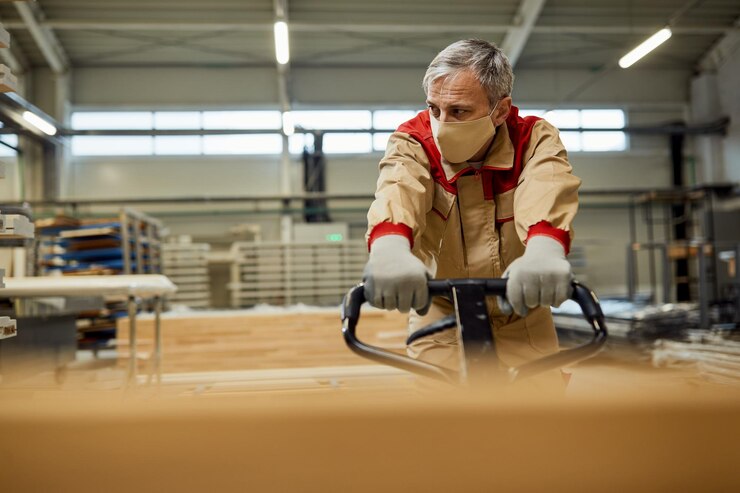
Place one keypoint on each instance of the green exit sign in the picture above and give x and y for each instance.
(334, 237)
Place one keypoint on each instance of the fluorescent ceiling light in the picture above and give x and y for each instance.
(645, 47)
(288, 125)
(282, 49)
(39, 123)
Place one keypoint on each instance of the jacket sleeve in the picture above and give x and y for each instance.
(546, 198)
(404, 191)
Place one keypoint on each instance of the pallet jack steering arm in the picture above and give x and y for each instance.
(479, 360)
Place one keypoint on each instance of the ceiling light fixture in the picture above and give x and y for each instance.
(39, 123)
(645, 47)
(282, 48)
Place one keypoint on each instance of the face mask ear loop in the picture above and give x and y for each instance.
(494, 107)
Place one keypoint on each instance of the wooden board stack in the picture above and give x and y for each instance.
(232, 341)
(186, 265)
(285, 273)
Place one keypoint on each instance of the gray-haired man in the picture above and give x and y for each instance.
(463, 188)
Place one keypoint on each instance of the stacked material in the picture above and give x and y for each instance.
(261, 339)
(638, 323)
(94, 247)
(15, 226)
(48, 230)
(16, 230)
(126, 244)
(186, 264)
(8, 327)
(279, 273)
(715, 357)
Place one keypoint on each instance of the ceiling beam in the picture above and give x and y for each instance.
(43, 36)
(283, 71)
(81, 25)
(10, 56)
(720, 51)
(284, 84)
(524, 20)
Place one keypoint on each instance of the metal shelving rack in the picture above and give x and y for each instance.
(681, 227)
(186, 264)
(286, 273)
(16, 230)
(141, 239)
(16, 223)
(132, 246)
(127, 244)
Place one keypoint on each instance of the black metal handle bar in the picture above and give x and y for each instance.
(582, 295)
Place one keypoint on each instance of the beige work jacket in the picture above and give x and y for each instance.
(467, 222)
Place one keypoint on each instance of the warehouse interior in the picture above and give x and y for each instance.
(184, 189)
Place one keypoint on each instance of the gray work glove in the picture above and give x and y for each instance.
(394, 277)
(540, 277)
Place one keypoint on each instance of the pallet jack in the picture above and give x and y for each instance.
(479, 362)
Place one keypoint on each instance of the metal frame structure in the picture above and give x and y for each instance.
(697, 224)
(140, 232)
(293, 272)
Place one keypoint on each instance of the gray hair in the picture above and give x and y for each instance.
(485, 60)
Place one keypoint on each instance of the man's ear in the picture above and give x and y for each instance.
(502, 111)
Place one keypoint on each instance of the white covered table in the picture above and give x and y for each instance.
(133, 287)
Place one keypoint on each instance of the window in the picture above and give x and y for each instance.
(594, 141)
(391, 119)
(297, 142)
(110, 145)
(242, 144)
(380, 141)
(178, 120)
(358, 143)
(176, 145)
(332, 119)
(10, 139)
(242, 120)
(112, 120)
(353, 131)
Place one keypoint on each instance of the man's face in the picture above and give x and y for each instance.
(457, 98)
(460, 98)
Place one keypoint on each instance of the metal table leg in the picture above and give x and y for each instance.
(158, 338)
(132, 340)
(737, 283)
(703, 291)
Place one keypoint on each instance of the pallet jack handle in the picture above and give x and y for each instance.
(582, 295)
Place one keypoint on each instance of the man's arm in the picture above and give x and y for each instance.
(394, 277)
(546, 198)
(404, 192)
(545, 203)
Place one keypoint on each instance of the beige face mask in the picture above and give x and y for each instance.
(459, 141)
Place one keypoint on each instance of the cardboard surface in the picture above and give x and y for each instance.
(451, 442)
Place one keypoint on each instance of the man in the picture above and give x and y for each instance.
(463, 188)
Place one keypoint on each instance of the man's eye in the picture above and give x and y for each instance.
(435, 111)
(460, 112)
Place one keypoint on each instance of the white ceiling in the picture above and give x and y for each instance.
(362, 33)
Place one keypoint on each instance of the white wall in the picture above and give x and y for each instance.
(715, 94)
(166, 177)
(10, 189)
(650, 97)
(230, 87)
(728, 84)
